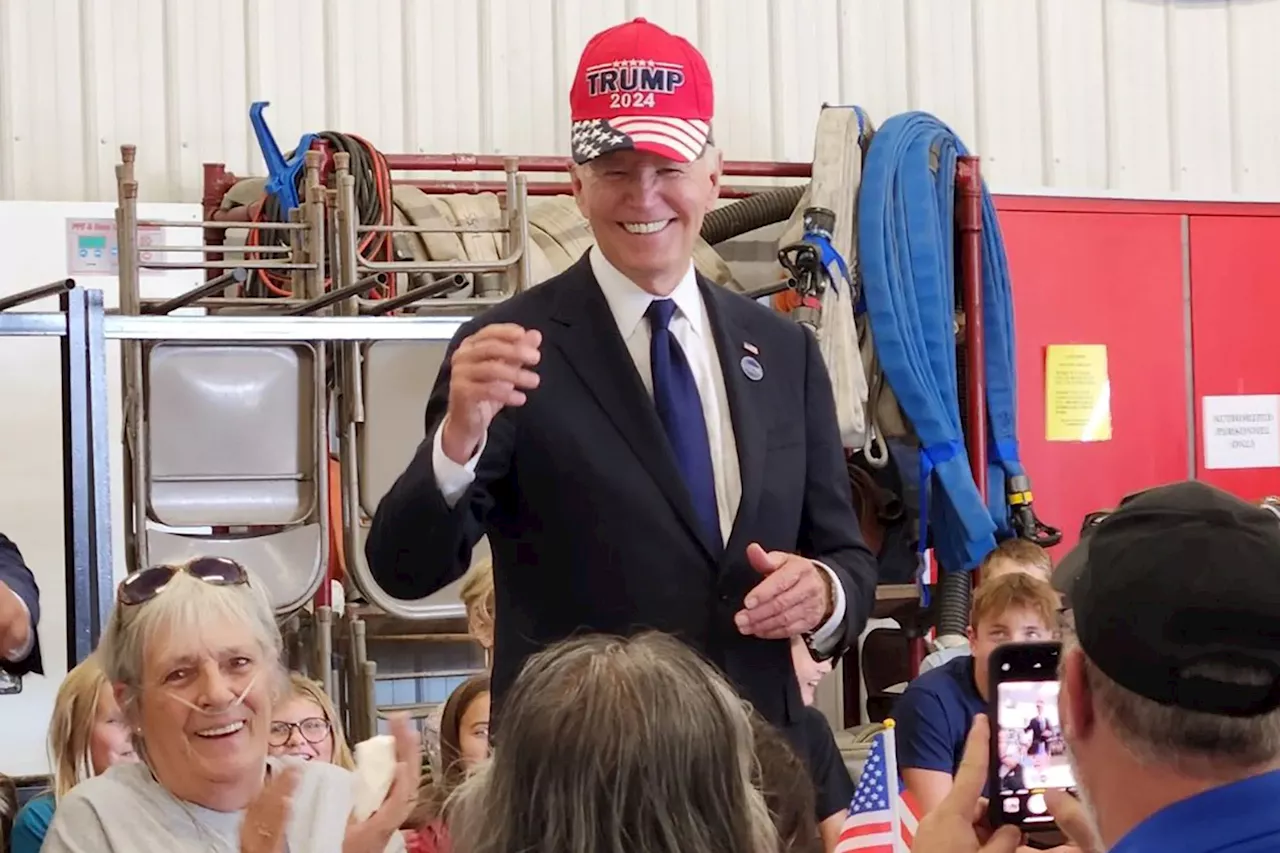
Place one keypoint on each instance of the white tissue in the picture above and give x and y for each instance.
(375, 770)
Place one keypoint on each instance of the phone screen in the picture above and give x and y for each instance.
(1032, 754)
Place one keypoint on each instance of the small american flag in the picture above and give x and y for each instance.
(882, 816)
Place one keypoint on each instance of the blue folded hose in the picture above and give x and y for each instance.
(906, 247)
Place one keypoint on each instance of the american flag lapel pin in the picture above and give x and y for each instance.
(751, 348)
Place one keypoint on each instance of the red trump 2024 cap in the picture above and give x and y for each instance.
(639, 87)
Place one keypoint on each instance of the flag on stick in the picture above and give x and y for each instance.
(883, 817)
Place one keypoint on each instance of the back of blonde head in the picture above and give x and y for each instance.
(71, 728)
(611, 745)
(477, 595)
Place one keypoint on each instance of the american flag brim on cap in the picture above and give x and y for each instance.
(678, 139)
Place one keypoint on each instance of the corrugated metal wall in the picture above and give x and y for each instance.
(1146, 97)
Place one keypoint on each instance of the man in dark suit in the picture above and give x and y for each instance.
(1040, 731)
(642, 448)
(19, 613)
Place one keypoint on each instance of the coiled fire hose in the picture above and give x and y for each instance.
(373, 203)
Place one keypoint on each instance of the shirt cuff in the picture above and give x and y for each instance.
(453, 479)
(827, 636)
(19, 654)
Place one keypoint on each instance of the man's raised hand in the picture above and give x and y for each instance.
(489, 371)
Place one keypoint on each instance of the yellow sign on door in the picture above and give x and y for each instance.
(1077, 393)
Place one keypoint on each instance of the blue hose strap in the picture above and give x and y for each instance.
(930, 458)
(1005, 451)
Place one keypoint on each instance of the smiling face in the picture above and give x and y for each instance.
(204, 709)
(110, 741)
(809, 672)
(299, 728)
(646, 211)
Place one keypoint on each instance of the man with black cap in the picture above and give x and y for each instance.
(1170, 698)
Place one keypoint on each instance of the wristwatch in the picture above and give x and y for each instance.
(831, 594)
(826, 616)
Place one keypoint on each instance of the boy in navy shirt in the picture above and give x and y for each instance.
(1011, 555)
(934, 714)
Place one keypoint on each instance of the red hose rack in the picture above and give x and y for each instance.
(217, 181)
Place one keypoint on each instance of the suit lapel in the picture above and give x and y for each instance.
(595, 350)
(746, 409)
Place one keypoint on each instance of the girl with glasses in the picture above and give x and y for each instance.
(306, 726)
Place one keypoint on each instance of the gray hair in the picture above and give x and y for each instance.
(195, 605)
(1192, 742)
(609, 745)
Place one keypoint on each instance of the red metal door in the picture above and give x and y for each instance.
(1086, 275)
(1235, 310)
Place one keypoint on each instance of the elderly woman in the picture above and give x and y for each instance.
(194, 654)
(611, 745)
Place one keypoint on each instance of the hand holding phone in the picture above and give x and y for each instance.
(1028, 753)
(956, 824)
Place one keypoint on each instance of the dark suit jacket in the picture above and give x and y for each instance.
(14, 572)
(591, 526)
(1040, 731)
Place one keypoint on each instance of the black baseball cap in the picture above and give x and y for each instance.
(1175, 577)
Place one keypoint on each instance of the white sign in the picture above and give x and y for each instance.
(92, 248)
(1242, 431)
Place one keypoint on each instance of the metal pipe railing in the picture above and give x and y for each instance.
(338, 294)
(541, 188)
(213, 285)
(527, 163)
(439, 287)
(22, 297)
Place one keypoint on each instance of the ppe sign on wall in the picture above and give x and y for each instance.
(1241, 431)
(92, 248)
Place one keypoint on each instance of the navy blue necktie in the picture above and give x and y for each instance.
(680, 409)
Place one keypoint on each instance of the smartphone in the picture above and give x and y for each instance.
(1028, 754)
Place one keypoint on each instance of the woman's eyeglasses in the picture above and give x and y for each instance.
(313, 730)
(148, 583)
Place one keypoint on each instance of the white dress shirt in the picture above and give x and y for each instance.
(691, 328)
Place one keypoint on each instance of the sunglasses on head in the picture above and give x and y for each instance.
(148, 583)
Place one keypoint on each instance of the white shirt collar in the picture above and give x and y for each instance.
(628, 302)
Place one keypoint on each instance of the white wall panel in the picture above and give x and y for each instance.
(34, 244)
(1073, 96)
(1142, 97)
